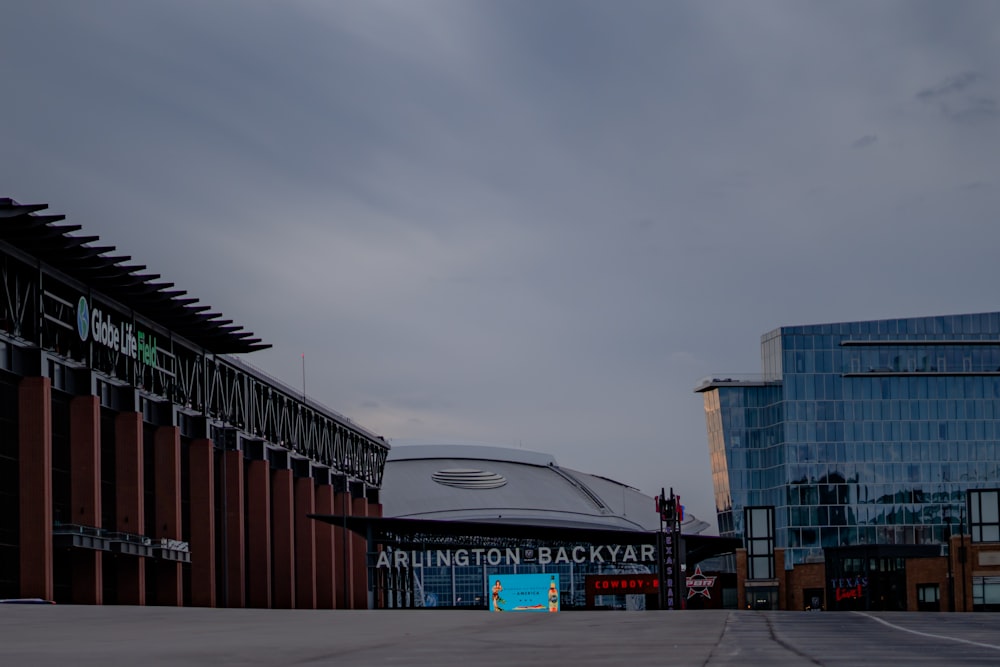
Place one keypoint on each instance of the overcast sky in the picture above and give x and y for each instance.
(528, 224)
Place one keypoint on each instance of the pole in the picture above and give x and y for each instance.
(951, 560)
(962, 557)
(668, 538)
(661, 592)
(675, 538)
(303, 377)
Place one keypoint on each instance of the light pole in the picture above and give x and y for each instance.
(962, 556)
(951, 574)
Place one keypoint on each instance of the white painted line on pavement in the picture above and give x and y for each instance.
(928, 634)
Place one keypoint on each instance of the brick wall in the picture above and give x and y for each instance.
(806, 575)
(921, 571)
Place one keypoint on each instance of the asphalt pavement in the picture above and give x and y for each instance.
(43, 635)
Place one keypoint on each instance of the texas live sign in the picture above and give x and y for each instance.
(118, 336)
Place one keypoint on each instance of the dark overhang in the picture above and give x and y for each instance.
(735, 381)
(405, 528)
(39, 236)
(389, 529)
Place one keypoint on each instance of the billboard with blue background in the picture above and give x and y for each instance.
(524, 592)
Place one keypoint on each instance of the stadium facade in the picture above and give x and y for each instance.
(456, 515)
(862, 450)
(141, 462)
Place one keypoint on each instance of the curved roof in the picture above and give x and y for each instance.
(501, 485)
(128, 284)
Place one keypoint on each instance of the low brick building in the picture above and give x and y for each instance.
(881, 577)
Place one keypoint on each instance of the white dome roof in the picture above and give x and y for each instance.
(496, 484)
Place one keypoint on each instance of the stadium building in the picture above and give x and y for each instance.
(141, 462)
(455, 515)
(861, 467)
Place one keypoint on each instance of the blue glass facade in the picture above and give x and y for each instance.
(859, 432)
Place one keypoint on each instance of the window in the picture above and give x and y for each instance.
(760, 542)
(928, 594)
(986, 593)
(984, 515)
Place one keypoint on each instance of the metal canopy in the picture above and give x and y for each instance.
(410, 531)
(416, 529)
(40, 237)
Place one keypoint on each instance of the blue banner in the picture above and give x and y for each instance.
(524, 592)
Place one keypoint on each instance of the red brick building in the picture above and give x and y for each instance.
(140, 463)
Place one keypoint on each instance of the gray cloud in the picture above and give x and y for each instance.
(951, 85)
(957, 104)
(521, 223)
(974, 110)
(865, 141)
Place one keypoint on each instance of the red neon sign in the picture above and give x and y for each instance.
(631, 584)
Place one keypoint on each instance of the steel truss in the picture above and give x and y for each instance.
(263, 408)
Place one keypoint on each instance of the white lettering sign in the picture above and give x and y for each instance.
(614, 553)
(121, 337)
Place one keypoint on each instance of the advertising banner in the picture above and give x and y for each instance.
(524, 592)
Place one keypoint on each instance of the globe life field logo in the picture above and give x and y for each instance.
(83, 318)
(123, 338)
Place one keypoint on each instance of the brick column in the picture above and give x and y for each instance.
(259, 534)
(236, 594)
(305, 544)
(167, 452)
(342, 549)
(201, 462)
(85, 495)
(784, 590)
(741, 578)
(326, 580)
(963, 590)
(283, 539)
(129, 516)
(35, 470)
(375, 510)
(359, 559)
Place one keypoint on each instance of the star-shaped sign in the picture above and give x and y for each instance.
(699, 584)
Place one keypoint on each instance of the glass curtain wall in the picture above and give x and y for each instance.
(860, 432)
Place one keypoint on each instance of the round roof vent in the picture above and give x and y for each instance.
(469, 478)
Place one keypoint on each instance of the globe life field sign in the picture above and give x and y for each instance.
(122, 337)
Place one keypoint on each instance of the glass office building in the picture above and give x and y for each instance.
(859, 432)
